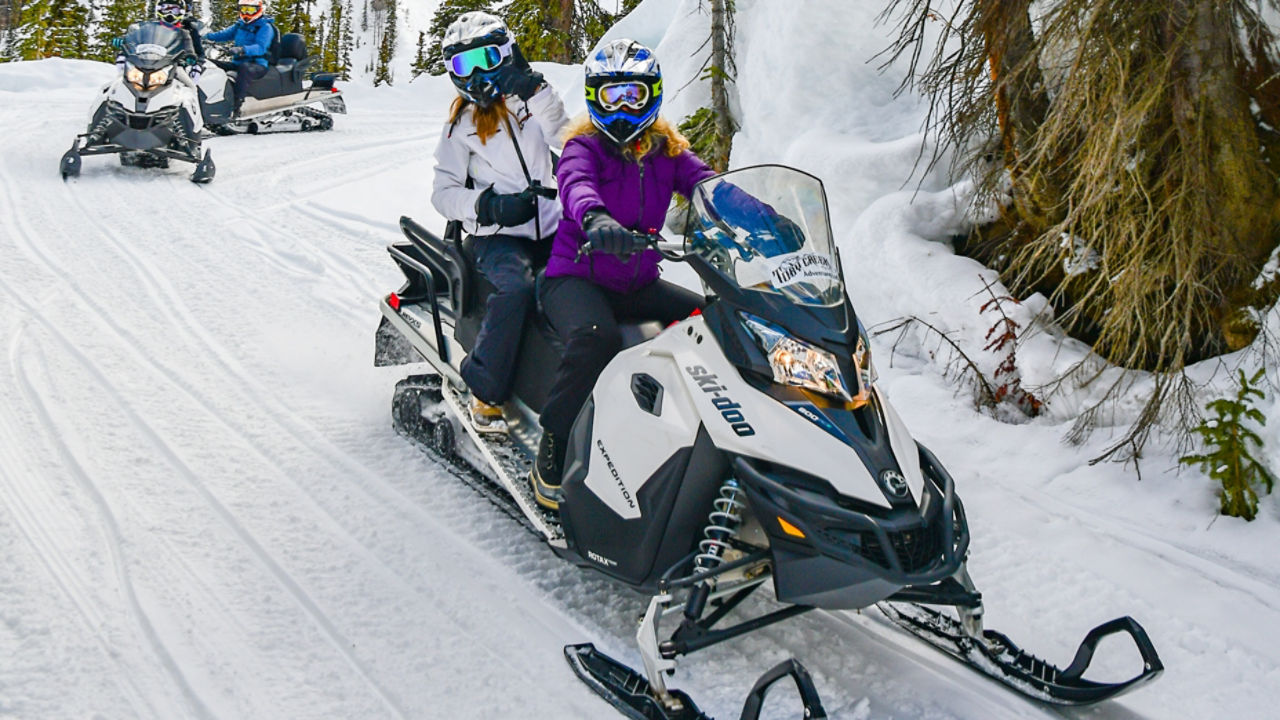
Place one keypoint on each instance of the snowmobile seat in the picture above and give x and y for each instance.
(293, 50)
(284, 75)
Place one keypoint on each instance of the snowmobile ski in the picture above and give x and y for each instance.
(205, 169)
(629, 692)
(624, 688)
(71, 162)
(999, 658)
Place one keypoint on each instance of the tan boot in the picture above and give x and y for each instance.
(486, 418)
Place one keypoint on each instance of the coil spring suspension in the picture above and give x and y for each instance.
(722, 526)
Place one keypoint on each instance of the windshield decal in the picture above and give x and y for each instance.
(797, 267)
(150, 51)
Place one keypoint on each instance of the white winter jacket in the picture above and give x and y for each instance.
(537, 124)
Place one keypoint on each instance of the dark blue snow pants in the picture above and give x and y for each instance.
(510, 264)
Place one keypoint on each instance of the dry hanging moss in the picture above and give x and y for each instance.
(1130, 144)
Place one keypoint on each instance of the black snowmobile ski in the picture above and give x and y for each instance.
(629, 691)
(1000, 659)
(624, 688)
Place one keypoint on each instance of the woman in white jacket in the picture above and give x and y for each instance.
(494, 174)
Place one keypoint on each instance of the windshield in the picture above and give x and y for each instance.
(766, 228)
(152, 45)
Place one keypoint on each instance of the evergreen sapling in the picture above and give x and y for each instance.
(1231, 443)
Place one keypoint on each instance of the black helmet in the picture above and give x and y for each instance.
(476, 46)
(172, 12)
(624, 89)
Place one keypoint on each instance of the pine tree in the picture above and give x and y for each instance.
(364, 17)
(446, 13)
(344, 44)
(53, 28)
(387, 48)
(116, 18)
(1230, 460)
(419, 57)
(556, 30)
(322, 43)
(333, 37)
(223, 13)
(294, 16)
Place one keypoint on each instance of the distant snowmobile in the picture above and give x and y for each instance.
(284, 99)
(745, 444)
(149, 114)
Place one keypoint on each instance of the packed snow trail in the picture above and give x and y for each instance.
(204, 512)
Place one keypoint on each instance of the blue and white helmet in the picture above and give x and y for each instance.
(623, 89)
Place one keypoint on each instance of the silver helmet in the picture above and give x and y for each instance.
(475, 47)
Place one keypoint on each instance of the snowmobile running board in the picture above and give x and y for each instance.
(999, 658)
(629, 691)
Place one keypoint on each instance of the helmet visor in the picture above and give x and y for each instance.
(171, 14)
(630, 95)
(485, 57)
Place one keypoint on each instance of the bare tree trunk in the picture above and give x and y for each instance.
(1021, 101)
(562, 24)
(720, 63)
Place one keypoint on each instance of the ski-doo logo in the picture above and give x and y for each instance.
(626, 494)
(894, 483)
(729, 409)
(592, 555)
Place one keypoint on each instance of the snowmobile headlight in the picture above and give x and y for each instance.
(796, 362)
(135, 77)
(157, 78)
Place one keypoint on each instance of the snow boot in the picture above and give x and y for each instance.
(546, 472)
(486, 418)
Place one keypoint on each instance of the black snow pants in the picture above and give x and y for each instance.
(586, 317)
(510, 264)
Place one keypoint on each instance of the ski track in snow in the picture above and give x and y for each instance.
(204, 512)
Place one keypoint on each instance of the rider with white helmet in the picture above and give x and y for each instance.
(493, 173)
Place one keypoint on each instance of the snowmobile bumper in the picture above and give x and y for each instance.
(829, 556)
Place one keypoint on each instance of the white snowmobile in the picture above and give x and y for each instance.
(285, 99)
(150, 114)
(745, 444)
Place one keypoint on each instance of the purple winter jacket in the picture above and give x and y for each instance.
(594, 174)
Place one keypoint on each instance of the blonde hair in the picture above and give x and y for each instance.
(486, 118)
(673, 142)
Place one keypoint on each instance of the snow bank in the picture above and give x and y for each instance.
(53, 74)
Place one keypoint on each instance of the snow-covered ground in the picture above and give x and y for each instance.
(204, 512)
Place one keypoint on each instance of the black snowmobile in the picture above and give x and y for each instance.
(149, 114)
(288, 98)
(747, 444)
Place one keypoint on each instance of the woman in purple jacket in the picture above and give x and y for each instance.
(616, 177)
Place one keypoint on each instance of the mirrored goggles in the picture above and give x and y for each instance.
(631, 95)
(485, 57)
(249, 10)
(170, 15)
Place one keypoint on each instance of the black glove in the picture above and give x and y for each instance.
(607, 235)
(237, 52)
(506, 210)
(517, 78)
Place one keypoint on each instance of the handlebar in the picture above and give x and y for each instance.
(673, 251)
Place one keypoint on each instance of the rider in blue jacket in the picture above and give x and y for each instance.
(252, 35)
